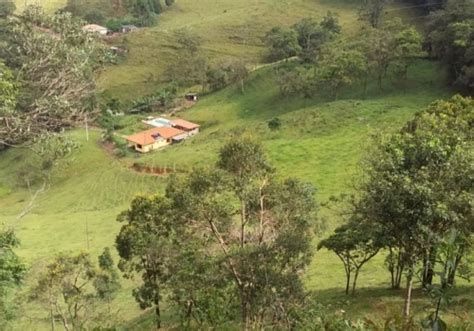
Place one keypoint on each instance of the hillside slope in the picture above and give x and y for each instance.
(226, 28)
(320, 141)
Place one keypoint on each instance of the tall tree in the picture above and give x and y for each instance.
(312, 35)
(283, 43)
(65, 289)
(259, 227)
(340, 66)
(392, 45)
(146, 245)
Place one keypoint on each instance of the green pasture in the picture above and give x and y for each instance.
(226, 28)
(320, 141)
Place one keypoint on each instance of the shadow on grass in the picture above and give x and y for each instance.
(382, 303)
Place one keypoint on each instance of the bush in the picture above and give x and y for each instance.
(114, 25)
(274, 124)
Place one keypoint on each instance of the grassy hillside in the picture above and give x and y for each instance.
(48, 5)
(227, 29)
(320, 141)
(77, 213)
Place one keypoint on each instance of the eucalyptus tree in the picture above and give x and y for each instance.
(258, 227)
(146, 246)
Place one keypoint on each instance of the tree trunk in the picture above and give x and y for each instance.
(399, 270)
(355, 281)
(452, 272)
(379, 80)
(53, 324)
(244, 311)
(157, 312)
(365, 86)
(428, 267)
(391, 267)
(348, 280)
(406, 309)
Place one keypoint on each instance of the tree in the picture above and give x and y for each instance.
(450, 38)
(372, 10)
(408, 46)
(355, 243)
(12, 272)
(257, 227)
(65, 288)
(107, 281)
(146, 246)
(419, 181)
(145, 10)
(283, 43)
(54, 60)
(226, 73)
(393, 44)
(312, 35)
(340, 66)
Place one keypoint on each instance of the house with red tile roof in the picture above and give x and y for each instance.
(155, 138)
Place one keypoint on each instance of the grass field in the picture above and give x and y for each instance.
(226, 28)
(48, 5)
(321, 141)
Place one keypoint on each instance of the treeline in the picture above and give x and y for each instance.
(114, 13)
(414, 200)
(326, 61)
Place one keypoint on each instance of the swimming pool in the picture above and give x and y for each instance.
(159, 122)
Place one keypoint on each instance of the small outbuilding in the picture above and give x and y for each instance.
(94, 28)
(191, 97)
(190, 128)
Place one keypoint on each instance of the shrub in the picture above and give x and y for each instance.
(274, 124)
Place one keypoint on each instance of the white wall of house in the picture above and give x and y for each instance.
(159, 143)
